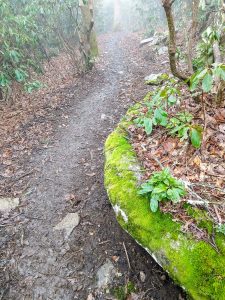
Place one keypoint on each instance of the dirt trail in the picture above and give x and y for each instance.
(46, 264)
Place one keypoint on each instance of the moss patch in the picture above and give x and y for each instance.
(122, 292)
(195, 265)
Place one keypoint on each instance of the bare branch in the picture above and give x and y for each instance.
(167, 4)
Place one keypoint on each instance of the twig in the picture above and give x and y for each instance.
(128, 261)
(216, 175)
(137, 101)
(216, 203)
(217, 214)
(200, 199)
(207, 186)
(214, 242)
(158, 162)
(205, 122)
(104, 242)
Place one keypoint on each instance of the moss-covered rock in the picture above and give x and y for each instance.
(156, 79)
(193, 264)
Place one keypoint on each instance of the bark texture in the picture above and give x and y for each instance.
(167, 5)
(219, 84)
(192, 34)
(87, 37)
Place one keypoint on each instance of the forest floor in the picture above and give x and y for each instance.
(52, 160)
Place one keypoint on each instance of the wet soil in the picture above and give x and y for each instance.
(41, 263)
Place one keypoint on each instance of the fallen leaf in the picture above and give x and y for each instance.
(115, 258)
(197, 161)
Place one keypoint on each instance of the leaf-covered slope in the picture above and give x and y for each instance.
(195, 265)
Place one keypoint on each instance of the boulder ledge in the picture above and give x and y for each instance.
(195, 265)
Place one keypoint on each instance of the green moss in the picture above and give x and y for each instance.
(195, 265)
(201, 217)
(156, 79)
(122, 292)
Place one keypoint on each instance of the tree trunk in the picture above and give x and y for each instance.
(219, 84)
(117, 15)
(192, 33)
(88, 39)
(167, 4)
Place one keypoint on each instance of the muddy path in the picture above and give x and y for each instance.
(46, 263)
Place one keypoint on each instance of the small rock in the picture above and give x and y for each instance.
(163, 277)
(67, 224)
(163, 50)
(155, 41)
(219, 170)
(142, 276)
(156, 79)
(7, 204)
(134, 296)
(181, 297)
(103, 117)
(105, 274)
(115, 258)
(80, 287)
(90, 297)
(146, 41)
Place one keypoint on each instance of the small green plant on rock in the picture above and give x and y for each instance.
(162, 186)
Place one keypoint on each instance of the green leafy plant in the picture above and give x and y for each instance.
(19, 47)
(205, 48)
(32, 86)
(162, 186)
(156, 105)
(29, 29)
(181, 125)
(167, 95)
(152, 118)
(207, 77)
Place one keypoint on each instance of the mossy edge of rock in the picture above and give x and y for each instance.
(195, 265)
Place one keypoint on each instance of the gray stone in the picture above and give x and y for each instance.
(68, 224)
(7, 204)
(153, 77)
(155, 41)
(159, 39)
(103, 117)
(105, 274)
(156, 79)
(90, 297)
(142, 276)
(146, 41)
(163, 50)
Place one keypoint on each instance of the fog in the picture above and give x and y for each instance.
(128, 15)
